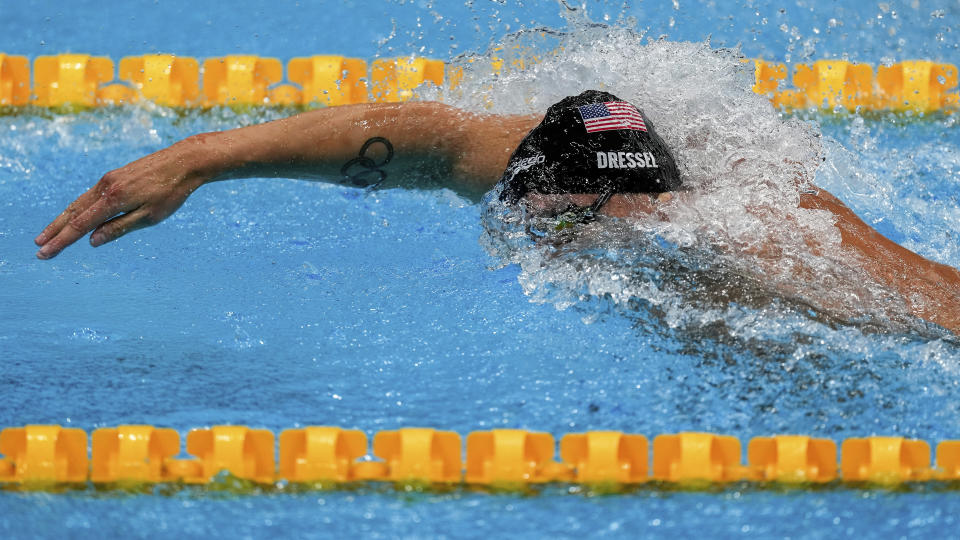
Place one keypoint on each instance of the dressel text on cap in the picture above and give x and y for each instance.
(626, 160)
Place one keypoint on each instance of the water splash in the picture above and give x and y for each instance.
(736, 251)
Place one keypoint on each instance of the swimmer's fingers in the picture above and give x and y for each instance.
(78, 226)
(121, 225)
(73, 210)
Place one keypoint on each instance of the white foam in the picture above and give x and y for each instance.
(740, 226)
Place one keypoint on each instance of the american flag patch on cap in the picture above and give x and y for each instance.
(611, 115)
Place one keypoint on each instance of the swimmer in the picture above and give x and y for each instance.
(592, 154)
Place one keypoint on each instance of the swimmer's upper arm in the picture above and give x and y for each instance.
(481, 151)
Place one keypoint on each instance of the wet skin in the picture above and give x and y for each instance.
(438, 145)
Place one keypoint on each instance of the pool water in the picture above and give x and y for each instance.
(282, 303)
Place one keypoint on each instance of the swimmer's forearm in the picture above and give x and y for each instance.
(426, 138)
(316, 144)
(931, 289)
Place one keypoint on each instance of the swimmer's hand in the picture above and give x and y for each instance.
(135, 196)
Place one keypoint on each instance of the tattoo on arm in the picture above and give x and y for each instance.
(362, 171)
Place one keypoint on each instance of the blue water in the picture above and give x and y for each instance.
(786, 30)
(277, 303)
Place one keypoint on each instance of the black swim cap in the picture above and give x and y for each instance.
(591, 143)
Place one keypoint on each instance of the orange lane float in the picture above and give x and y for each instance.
(69, 79)
(948, 460)
(696, 457)
(132, 454)
(329, 80)
(792, 458)
(416, 455)
(830, 84)
(511, 456)
(321, 453)
(14, 80)
(606, 457)
(243, 452)
(44, 454)
(239, 79)
(885, 460)
(917, 85)
(165, 79)
(767, 76)
(395, 79)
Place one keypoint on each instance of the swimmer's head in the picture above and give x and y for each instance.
(591, 143)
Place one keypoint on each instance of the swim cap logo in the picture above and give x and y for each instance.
(524, 164)
(626, 160)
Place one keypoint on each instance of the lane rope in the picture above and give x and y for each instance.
(69, 81)
(41, 455)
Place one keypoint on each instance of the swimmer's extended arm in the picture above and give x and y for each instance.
(446, 146)
(931, 289)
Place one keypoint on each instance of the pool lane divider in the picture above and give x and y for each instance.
(82, 80)
(914, 85)
(37, 456)
(174, 81)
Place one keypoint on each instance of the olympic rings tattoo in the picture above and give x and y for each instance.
(372, 175)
